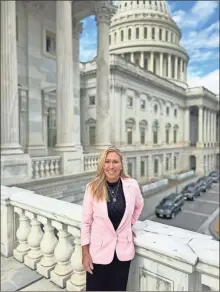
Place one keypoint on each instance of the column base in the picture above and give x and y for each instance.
(200, 145)
(71, 287)
(45, 271)
(37, 150)
(71, 159)
(31, 263)
(15, 169)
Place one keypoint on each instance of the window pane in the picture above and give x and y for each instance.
(142, 168)
(92, 135)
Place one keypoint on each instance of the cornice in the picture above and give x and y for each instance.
(150, 46)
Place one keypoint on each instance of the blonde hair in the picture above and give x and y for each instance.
(98, 184)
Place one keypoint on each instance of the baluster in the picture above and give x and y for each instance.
(47, 245)
(47, 172)
(22, 235)
(42, 174)
(63, 251)
(57, 167)
(90, 163)
(37, 176)
(33, 169)
(86, 164)
(77, 281)
(34, 238)
(52, 172)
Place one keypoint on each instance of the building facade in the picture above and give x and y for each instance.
(133, 95)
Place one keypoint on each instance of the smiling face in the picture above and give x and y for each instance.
(112, 167)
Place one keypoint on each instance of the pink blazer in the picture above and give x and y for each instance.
(98, 231)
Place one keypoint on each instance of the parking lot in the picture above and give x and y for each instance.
(195, 214)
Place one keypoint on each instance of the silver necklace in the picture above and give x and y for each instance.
(114, 193)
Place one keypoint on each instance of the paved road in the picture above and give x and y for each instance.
(196, 215)
(151, 202)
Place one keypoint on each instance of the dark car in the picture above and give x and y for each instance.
(191, 191)
(214, 176)
(170, 205)
(204, 184)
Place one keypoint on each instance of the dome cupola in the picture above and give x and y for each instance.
(143, 32)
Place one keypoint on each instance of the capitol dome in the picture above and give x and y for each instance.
(143, 32)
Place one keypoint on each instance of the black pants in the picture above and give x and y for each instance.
(111, 277)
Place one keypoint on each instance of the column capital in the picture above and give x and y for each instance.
(103, 14)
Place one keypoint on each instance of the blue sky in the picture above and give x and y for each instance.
(199, 23)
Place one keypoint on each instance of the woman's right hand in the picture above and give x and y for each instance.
(87, 263)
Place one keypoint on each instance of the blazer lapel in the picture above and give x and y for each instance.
(126, 187)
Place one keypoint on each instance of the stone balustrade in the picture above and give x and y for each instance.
(44, 167)
(90, 161)
(48, 234)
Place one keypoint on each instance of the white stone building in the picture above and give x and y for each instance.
(57, 113)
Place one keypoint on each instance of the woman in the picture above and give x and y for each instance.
(112, 204)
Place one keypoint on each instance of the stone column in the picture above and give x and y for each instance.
(77, 30)
(151, 61)
(181, 69)
(132, 57)
(142, 59)
(103, 76)
(9, 81)
(15, 166)
(200, 142)
(176, 68)
(71, 161)
(186, 127)
(161, 64)
(169, 66)
(185, 72)
(205, 126)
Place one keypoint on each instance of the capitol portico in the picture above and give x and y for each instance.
(57, 113)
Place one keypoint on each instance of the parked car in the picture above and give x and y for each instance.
(170, 205)
(204, 184)
(209, 181)
(214, 176)
(191, 191)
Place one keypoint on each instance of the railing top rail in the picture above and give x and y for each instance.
(45, 158)
(186, 246)
(50, 208)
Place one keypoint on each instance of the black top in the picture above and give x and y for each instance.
(116, 208)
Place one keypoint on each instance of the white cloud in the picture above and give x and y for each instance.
(210, 81)
(199, 14)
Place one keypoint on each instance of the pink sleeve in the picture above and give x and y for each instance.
(139, 204)
(87, 217)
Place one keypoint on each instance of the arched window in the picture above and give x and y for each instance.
(160, 34)
(122, 35)
(175, 131)
(145, 32)
(129, 33)
(167, 129)
(153, 33)
(137, 32)
(115, 36)
(166, 36)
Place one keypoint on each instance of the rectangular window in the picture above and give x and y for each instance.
(50, 42)
(129, 136)
(142, 168)
(167, 136)
(92, 135)
(145, 32)
(160, 34)
(153, 33)
(167, 110)
(142, 136)
(167, 163)
(156, 166)
(174, 162)
(130, 169)
(166, 36)
(92, 100)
